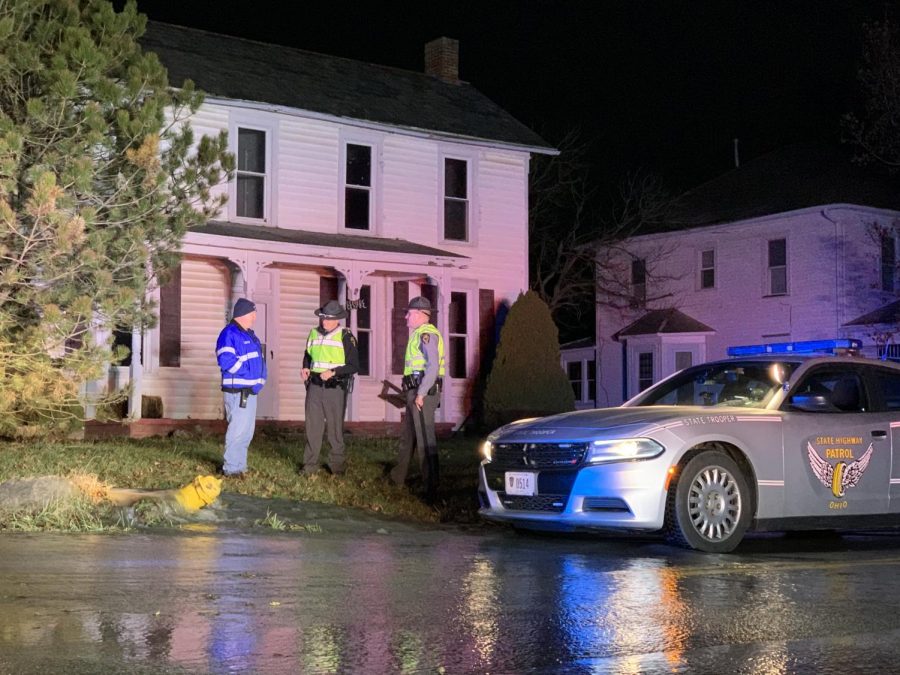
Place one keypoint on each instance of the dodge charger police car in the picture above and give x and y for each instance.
(778, 437)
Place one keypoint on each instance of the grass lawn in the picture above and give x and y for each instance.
(274, 457)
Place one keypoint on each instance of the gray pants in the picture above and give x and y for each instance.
(418, 432)
(324, 407)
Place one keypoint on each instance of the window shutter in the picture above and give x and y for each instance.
(170, 321)
(486, 327)
(399, 331)
(430, 291)
(328, 290)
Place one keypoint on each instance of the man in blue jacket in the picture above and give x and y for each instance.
(243, 365)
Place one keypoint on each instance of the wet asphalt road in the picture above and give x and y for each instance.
(355, 594)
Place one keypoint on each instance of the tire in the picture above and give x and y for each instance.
(709, 509)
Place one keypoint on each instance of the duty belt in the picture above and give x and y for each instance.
(413, 381)
(333, 383)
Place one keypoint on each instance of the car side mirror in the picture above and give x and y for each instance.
(811, 403)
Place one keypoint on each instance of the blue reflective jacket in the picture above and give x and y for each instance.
(241, 359)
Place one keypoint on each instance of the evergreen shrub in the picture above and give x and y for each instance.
(527, 379)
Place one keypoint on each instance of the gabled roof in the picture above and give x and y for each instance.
(788, 179)
(331, 240)
(889, 313)
(236, 68)
(659, 321)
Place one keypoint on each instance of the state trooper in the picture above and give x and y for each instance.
(330, 361)
(243, 365)
(423, 372)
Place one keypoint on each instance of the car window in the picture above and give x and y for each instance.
(733, 383)
(887, 387)
(833, 390)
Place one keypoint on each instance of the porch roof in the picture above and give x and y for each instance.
(889, 313)
(658, 321)
(326, 239)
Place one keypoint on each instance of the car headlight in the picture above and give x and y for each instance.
(487, 450)
(623, 450)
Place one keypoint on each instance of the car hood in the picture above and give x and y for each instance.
(591, 424)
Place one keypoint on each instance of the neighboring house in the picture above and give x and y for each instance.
(366, 183)
(800, 244)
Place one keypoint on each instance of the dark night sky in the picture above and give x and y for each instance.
(659, 85)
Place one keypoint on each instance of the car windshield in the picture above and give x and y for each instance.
(748, 384)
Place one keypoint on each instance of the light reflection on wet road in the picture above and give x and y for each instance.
(387, 598)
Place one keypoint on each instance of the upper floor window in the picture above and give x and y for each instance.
(457, 334)
(638, 282)
(777, 267)
(250, 197)
(358, 187)
(456, 199)
(708, 269)
(888, 262)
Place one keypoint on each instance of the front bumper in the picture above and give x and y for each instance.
(618, 495)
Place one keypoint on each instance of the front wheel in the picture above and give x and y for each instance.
(709, 508)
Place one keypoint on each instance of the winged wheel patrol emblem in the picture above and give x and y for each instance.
(839, 476)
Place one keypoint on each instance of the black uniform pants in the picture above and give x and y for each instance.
(418, 432)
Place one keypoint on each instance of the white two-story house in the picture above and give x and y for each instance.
(800, 244)
(354, 181)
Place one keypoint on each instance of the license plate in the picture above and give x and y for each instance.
(520, 483)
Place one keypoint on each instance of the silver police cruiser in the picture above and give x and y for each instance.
(782, 436)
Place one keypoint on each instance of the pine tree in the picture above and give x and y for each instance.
(100, 176)
(526, 379)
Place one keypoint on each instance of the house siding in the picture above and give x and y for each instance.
(192, 391)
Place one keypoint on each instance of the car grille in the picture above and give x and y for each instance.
(531, 456)
(552, 503)
(555, 463)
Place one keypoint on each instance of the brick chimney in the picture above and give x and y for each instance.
(442, 59)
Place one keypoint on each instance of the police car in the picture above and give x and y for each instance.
(783, 436)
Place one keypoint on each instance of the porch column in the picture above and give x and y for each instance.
(136, 373)
(354, 274)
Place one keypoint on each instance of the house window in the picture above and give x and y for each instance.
(645, 370)
(456, 200)
(457, 334)
(575, 373)
(708, 269)
(888, 262)
(251, 174)
(683, 360)
(638, 282)
(358, 187)
(364, 330)
(592, 380)
(778, 267)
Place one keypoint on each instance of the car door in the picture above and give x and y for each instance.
(884, 385)
(837, 446)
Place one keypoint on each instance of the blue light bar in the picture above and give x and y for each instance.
(804, 347)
